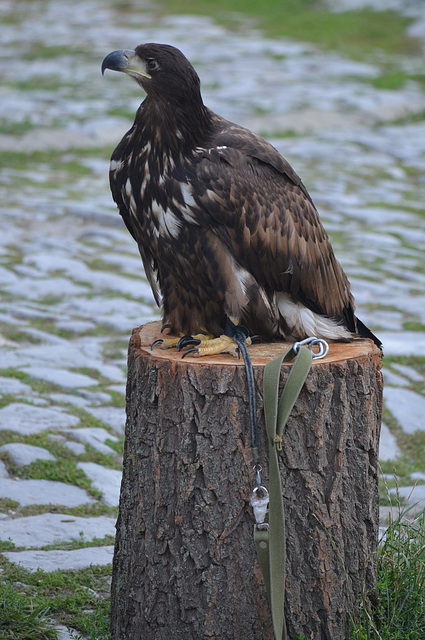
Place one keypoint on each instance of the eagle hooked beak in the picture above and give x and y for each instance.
(126, 61)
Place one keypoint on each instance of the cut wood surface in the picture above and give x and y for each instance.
(260, 354)
(185, 565)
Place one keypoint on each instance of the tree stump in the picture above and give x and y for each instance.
(185, 564)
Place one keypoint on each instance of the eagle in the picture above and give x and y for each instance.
(225, 227)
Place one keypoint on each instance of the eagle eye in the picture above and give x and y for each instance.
(151, 64)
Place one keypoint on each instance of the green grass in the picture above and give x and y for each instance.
(48, 83)
(80, 543)
(77, 599)
(21, 618)
(69, 545)
(38, 440)
(117, 445)
(106, 460)
(16, 128)
(83, 511)
(7, 505)
(49, 52)
(117, 398)
(398, 605)
(94, 625)
(70, 164)
(57, 471)
(396, 79)
(355, 33)
(411, 325)
(16, 334)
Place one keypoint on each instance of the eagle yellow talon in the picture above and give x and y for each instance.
(201, 344)
(196, 339)
(166, 343)
(203, 337)
(216, 346)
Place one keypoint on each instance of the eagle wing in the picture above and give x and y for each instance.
(128, 207)
(259, 207)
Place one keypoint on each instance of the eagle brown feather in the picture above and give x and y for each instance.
(224, 225)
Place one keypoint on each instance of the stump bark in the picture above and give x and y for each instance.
(185, 565)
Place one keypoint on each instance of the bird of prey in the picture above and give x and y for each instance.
(225, 227)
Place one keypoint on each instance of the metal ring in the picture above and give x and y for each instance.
(263, 491)
(323, 348)
(311, 342)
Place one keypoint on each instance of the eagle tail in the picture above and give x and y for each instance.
(363, 331)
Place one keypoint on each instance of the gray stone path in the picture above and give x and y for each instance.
(71, 281)
(59, 559)
(46, 529)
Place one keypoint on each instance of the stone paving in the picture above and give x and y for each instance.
(71, 281)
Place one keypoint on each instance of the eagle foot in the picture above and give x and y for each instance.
(226, 343)
(206, 344)
(216, 346)
(181, 341)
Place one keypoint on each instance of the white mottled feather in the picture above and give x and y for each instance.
(168, 223)
(116, 165)
(187, 209)
(128, 190)
(303, 322)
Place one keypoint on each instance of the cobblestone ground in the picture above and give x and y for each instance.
(71, 280)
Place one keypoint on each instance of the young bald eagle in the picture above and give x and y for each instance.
(224, 225)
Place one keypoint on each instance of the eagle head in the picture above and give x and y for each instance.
(161, 70)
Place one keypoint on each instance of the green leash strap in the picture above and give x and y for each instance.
(270, 541)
